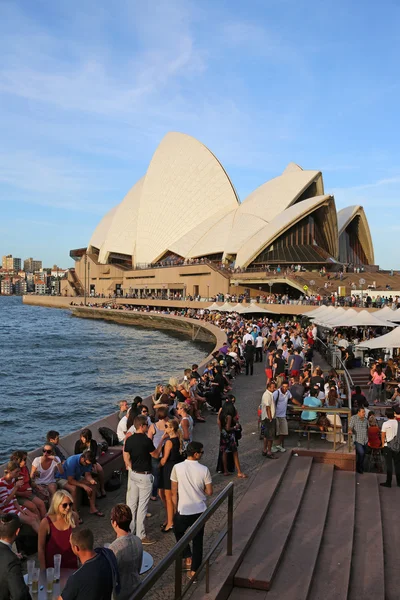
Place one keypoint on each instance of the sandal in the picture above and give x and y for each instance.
(97, 514)
(80, 521)
(243, 476)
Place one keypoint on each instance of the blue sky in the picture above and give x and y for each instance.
(88, 89)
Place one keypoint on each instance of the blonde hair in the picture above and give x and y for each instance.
(173, 382)
(56, 500)
(175, 426)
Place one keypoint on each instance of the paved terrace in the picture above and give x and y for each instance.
(248, 391)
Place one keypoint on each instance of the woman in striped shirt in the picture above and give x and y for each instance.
(8, 502)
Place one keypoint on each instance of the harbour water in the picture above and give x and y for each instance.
(60, 372)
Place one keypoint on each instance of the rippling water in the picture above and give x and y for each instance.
(61, 372)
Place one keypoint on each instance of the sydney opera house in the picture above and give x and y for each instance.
(181, 229)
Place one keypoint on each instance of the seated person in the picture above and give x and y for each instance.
(26, 493)
(55, 532)
(310, 416)
(123, 409)
(9, 485)
(128, 551)
(86, 442)
(78, 474)
(44, 470)
(53, 437)
(122, 428)
(374, 433)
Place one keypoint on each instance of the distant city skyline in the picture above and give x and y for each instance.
(88, 93)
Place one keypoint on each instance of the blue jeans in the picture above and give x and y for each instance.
(360, 454)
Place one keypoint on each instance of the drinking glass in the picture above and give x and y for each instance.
(35, 580)
(57, 567)
(50, 579)
(30, 565)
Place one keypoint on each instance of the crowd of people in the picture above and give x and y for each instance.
(163, 461)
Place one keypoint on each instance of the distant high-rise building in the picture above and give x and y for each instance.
(30, 265)
(6, 286)
(10, 263)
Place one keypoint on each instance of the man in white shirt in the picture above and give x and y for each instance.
(191, 482)
(268, 419)
(388, 433)
(247, 336)
(259, 347)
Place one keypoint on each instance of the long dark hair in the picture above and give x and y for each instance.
(134, 412)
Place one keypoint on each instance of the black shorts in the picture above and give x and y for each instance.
(269, 429)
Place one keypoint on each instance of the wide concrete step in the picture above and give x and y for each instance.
(367, 580)
(243, 594)
(390, 502)
(262, 558)
(332, 571)
(293, 578)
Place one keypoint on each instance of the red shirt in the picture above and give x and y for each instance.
(374, 437)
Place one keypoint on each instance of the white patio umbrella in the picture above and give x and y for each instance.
(339, 315)
(388, 313)
(214, 306)
(319, 312)
(227, 307)
(389, 340)
(368, 319)
(239, 308)
(255, 309)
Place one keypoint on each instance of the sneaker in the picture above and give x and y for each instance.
(147, 541)
(208, 406)
(323, 436)
(280, 448)
(274, 449)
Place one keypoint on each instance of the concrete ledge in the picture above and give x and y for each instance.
(345, 461)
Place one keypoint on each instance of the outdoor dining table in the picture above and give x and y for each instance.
(58, 586)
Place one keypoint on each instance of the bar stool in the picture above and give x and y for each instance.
(376, 460)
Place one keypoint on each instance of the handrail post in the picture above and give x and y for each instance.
(334, 432)
(229, 544)
(178, 577)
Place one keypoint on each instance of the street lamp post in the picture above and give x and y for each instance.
(84, 291)
(361, 282)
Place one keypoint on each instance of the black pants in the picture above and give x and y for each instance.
(259, 356)
(390, 458)
(249, 365)
(181, 525)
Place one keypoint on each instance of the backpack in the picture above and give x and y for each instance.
(109, 435)
(394, 444)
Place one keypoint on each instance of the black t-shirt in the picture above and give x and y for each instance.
(139, 447)
(93, 581)
(316, 380)
(280, 366)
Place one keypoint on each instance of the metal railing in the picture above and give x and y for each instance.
(175, 555)
(326, 352)
(335, 429)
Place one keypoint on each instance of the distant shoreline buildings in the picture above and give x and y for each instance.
(33, 278)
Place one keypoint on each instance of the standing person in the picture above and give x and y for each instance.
(358, 426)
(128, 551)
(268, 419)
(12, 585)
(259, 343)
(138, 452)
(227, 423)
(249, 352)
(279, 368)
(172, 455)
(191, 483)
(155, 433)
(389, 433)
(55, 532)
(95, 578)
(281, 399)
(9, 486)
(186, 424)
(377, 378)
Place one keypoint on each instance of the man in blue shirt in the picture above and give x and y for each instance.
(78, 474)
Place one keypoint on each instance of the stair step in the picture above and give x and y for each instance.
(261, 561)
(367, 566)
(246, 594)
(296, 569)
(390, 502)
(332, 572)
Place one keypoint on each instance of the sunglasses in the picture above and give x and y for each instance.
(66, 504)
(47, 451)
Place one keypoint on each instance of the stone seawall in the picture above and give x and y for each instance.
(196, 330)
